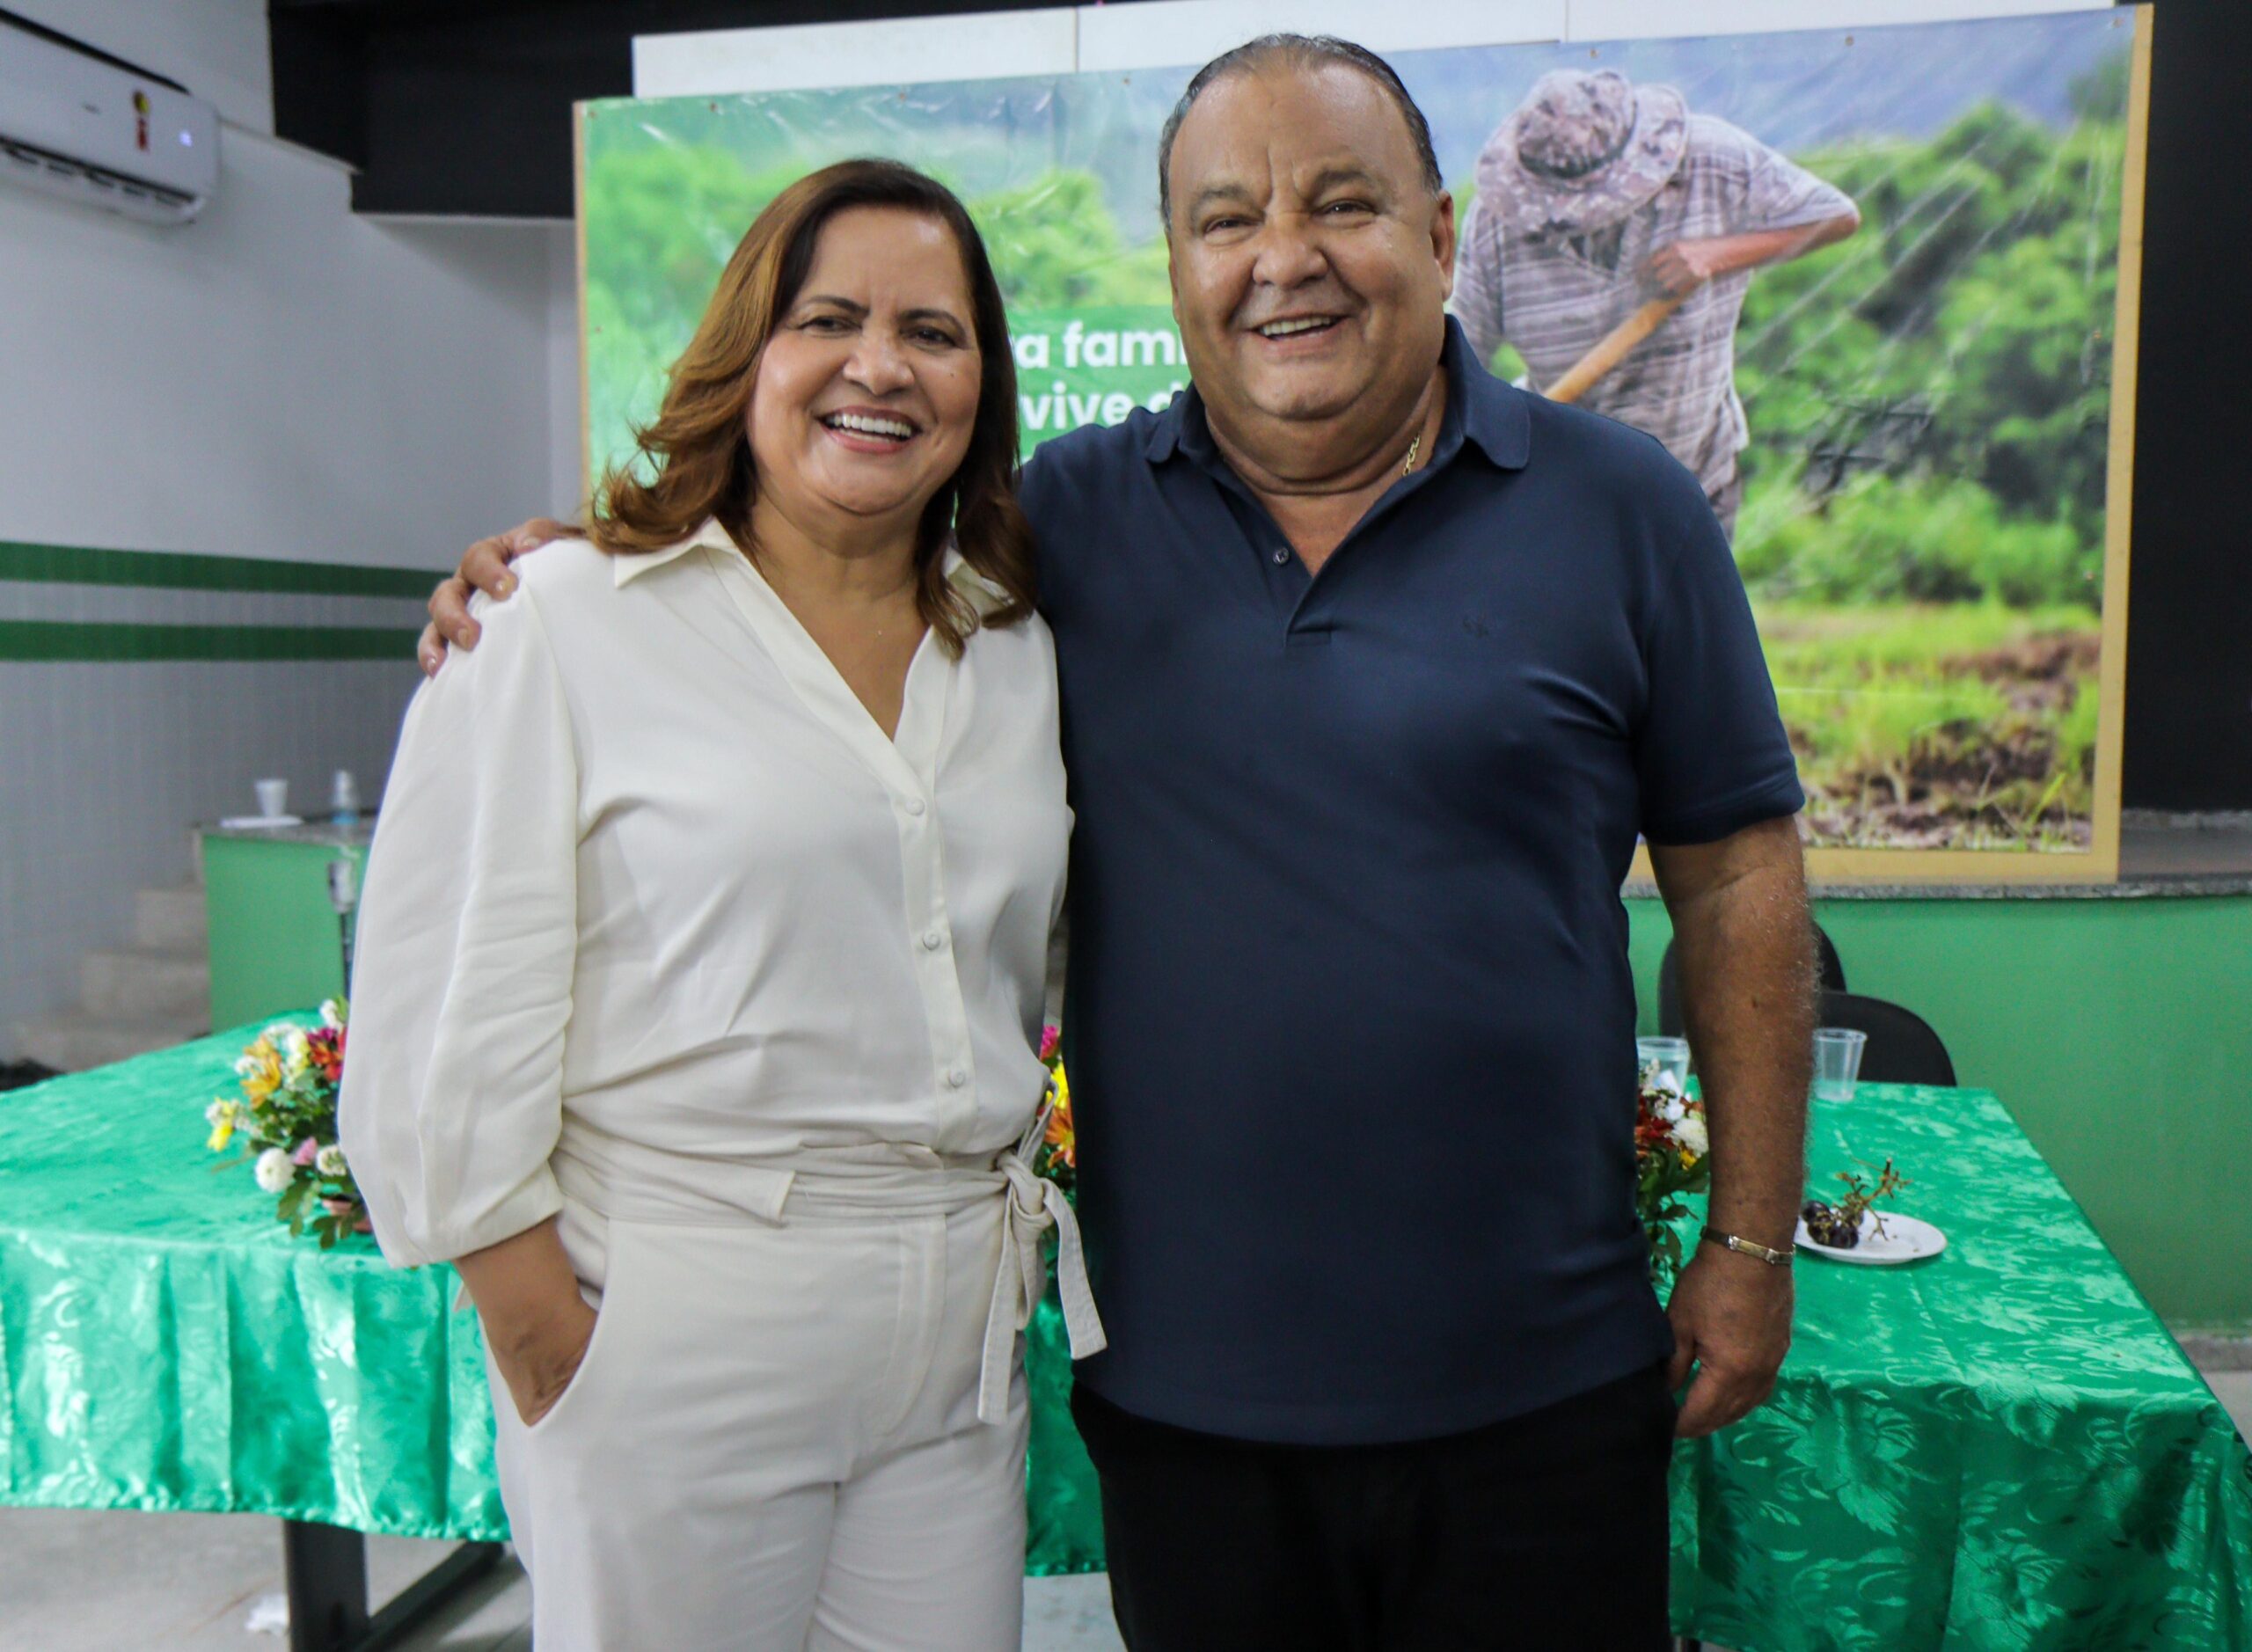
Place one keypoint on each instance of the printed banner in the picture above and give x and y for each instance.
(1896, 257)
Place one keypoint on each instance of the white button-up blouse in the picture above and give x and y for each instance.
(647, 873)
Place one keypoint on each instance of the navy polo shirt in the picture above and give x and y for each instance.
(1350, 1026)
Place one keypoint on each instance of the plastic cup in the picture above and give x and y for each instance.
(1671, 1054)
(273, 797)
(1837, 1061)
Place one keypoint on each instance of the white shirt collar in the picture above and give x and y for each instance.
(625, 569)
(982, 594)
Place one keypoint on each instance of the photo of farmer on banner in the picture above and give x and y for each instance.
(1611, 241)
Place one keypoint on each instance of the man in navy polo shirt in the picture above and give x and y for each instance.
(1372, 669)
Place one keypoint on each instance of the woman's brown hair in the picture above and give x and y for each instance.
(698, 452)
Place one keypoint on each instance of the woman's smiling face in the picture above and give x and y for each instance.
(867, 393)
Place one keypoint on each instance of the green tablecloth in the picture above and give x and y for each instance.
(2000, 1448)
(165, 1344)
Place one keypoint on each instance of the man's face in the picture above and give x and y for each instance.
(1310, 264)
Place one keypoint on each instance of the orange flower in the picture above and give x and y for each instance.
(259, 1067)
(1061, 1136)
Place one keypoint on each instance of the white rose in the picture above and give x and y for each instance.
(275, 1171)
(1691, 1134)
(1673, 1108)
(332, 1014)
(330, 1160)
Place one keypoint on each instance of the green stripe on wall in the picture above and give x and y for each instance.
(61, 640)
(183, 570)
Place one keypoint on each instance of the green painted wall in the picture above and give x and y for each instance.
(2118, 1032)
(274, 946)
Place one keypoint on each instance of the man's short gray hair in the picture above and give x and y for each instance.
(1298, 51)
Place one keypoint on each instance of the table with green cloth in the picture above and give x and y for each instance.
(2000, 1447)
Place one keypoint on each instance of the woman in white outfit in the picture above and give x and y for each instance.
(701, 970)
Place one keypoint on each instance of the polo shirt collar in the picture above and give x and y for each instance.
(1480, 409)
(1495, 416)
(1165, 429)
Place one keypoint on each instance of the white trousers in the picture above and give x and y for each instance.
(773, 1442)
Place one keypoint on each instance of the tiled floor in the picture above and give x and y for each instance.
(74, 1581)
(2234, 1390)
(77, 1581)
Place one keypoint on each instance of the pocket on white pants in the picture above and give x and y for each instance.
(615, 1292)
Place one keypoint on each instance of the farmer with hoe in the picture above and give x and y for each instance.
(1611, 241)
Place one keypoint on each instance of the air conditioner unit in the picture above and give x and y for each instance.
(79, 123)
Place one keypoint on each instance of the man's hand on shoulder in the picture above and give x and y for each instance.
(484, 567)
(1731, 1318)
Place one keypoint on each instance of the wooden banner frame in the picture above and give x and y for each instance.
(2099, 863)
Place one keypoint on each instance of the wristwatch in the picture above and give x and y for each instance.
(1745, 1247)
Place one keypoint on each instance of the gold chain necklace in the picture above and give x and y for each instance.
(1413, 448)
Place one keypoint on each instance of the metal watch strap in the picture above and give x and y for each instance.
(1745, 1247)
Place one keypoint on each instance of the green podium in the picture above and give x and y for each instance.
(274, 937)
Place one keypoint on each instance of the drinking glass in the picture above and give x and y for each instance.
(1671, 1054)
(1837, 1061)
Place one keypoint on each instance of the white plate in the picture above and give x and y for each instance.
(1904, 1240)
(260, 822)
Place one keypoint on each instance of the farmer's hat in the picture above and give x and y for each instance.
(1583, 151)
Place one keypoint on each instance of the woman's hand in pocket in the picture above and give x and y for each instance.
(540, 1358)
(535, 1322)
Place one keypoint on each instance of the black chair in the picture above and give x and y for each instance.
(1902, 1047)
(1668, 982)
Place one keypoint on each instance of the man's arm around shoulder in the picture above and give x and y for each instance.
(484, 567)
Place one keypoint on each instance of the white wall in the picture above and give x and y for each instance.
(217, 48)
(280, 379)
(565, 387)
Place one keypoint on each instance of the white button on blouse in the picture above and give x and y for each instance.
(647, 871)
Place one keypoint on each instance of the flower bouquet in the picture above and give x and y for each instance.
(1673, 1154)
(1059, 1151)
(285, 1122)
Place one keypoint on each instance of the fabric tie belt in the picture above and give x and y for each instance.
(629, 1182)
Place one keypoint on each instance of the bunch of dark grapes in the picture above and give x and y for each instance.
(1829, 1226)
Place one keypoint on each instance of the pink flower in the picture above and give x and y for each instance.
(306, 1148)
(1050, 1040)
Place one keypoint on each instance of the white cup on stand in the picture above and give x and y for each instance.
(273, 797)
